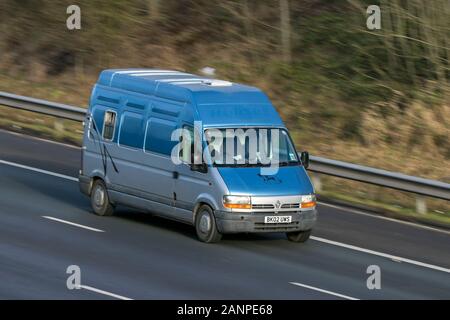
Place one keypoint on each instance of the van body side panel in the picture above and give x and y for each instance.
(189, 184)
(141, 173)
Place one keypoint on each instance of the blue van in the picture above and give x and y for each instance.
(129, 146)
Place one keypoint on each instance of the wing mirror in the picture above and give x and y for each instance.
(199, 167)
(202, 167)
(304, 158)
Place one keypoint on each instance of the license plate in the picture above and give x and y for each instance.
(277, 219)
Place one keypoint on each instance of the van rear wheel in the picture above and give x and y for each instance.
(205, 225)
(100, 199)
(298, 236)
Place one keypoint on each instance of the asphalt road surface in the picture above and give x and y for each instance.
(46, 225)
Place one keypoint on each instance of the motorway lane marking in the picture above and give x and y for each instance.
(26, 136)
(106, 293)
(340, 244)
(380, 254)
(323, 291)
(13, 164)
(347, 209)
(72, 224)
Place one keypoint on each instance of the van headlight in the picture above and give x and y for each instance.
(237, 202)
(308, 201)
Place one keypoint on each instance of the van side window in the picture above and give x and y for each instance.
(109, 124)
(187, 147)
(131, 130)
(158, 136)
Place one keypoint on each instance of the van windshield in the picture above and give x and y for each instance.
(250, 147)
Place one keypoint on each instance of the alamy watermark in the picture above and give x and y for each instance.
(374, 19)
(73, 21)
(374, 280)
(74, 280)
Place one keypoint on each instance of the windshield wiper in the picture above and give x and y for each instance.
(253, 165)
(241, 165)
(288, 163)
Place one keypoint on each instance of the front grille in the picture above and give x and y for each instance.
(262, 206)
(276, 226)
(271, 206)
(282, 213)
(290, 205)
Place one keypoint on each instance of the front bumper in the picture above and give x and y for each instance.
(233, 222)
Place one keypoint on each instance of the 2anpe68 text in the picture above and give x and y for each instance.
(224, 310)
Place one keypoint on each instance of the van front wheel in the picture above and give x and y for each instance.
(205, 225)
(298, 236)
(100, 200)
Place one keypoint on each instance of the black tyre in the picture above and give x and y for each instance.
(100, 199)
(298, 236)
(205, 225)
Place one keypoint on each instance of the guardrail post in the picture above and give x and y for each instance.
(421, 205)
(317, 182)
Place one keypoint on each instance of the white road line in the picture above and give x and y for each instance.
(26, 136)
(38, 170)
(382, 217)
(380, 254)
(106, 293)
(351, 247)
(72, 224)
(323, 291)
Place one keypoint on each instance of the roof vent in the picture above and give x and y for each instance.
(217, 83)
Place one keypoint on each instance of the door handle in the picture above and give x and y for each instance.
(175, 174)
